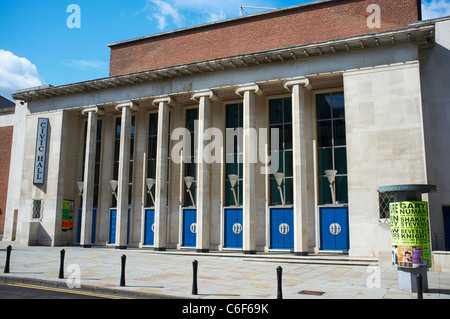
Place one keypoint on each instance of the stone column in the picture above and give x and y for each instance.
(203, 172)
(297, 87)
(162, 154)
(89, 174)
(124, 172)
(249, 166)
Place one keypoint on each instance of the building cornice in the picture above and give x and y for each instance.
(422, 35)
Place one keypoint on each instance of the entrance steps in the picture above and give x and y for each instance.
(321, 258)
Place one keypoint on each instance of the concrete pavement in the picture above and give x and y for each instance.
(229, 275)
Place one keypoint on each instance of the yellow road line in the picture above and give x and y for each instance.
(67, 291)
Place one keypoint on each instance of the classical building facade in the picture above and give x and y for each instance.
(220, 136)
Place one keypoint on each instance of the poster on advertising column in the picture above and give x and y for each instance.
(410, 234)
(67, 215)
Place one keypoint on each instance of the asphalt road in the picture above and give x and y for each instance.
(26, 291)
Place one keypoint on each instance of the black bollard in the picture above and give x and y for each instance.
(61, 264)
(8, 255)
(279, 277)
(419, 284)
(194, 283)
(122, 275)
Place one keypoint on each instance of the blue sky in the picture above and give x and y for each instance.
(37, 47)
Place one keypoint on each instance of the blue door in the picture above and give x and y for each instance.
(112, 226)
(190, 228)
(233, 228)
(282, 228)
(334, 232)
(149, 235)
(446, 211)
(94, 225)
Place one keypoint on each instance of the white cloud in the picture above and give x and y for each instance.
(217, 16)
(435, 9)
(163, 10)
(16, 73)
(86, 64)
(193, 12)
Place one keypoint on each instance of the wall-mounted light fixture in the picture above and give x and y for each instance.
(150, 182)
(189, 180)
(331, 175)
(279, 177)
(233, 180)
(114, 185)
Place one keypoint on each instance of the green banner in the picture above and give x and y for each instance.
(410, 234)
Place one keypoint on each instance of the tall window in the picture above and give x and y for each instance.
(280, 117)
(190, 166)
(116, 158)
(152, 154)
(98, 149)
(233, 161)
(331, 143)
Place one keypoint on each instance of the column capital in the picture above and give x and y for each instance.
(131, 105)
(203, 93)
(163, 99)
(97, 110)
(288, 84)
(241, 89)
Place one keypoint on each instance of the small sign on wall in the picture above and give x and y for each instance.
(40, 162)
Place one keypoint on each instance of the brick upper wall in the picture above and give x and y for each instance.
(6, 136)
(296, 26)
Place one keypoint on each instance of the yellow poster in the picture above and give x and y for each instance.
(410, 234)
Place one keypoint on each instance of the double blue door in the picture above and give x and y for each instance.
(233, 228)
(190, 228)
(94, 225)
(282, 228)
(112, 226)
(149, 233)
(334, 231)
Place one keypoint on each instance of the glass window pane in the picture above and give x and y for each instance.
(338, 105)
(288, 164)
(324, 191)
(288, 137)
(324, 134)
(275, 111)
(341, 189)
(275, 198)
(325, 160)
(287, 110)
(339, 133)
(288, 191)
(231, 116)
(323, 103)
(280, 135)
(340, 159)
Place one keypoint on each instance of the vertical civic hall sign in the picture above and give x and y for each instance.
(410, 234)
(41, 151)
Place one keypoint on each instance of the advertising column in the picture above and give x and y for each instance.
(410, 234)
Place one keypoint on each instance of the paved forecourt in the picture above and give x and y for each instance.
(226, 275)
